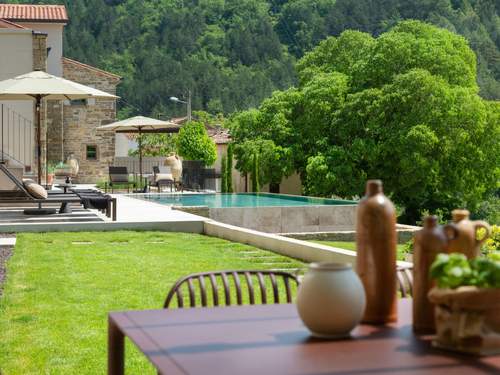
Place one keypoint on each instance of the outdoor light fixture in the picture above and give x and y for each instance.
(188, 103)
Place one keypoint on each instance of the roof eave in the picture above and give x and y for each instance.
(34, 20)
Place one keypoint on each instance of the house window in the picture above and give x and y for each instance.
(91, 152)
(78, 102)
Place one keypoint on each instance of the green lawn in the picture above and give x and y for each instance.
(352, 246)
(60, 286)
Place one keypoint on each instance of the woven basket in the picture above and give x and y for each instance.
(467, 319)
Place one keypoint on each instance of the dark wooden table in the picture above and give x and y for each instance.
(272, 340)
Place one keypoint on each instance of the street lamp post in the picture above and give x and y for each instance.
(188, 104)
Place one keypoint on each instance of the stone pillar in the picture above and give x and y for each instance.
(55, 131)
(39, 51)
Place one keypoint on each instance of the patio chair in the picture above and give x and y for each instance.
(162, 176)
(242, 279)
(118, 176)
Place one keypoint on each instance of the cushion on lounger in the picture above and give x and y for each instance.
(164, 176)
(35, 190)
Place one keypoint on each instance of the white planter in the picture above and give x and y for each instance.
(331, 300)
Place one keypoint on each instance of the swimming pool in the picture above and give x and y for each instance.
(241, 200)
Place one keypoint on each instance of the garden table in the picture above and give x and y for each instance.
(271, 339)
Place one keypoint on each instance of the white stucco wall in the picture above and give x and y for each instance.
(16, 58)
(54, 33)
(123, 145)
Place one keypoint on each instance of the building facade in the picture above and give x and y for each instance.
(31, 38)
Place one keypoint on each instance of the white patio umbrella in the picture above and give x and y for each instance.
(38, 85)
(140, 125)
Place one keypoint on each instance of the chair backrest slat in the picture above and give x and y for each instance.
(237, 283)
(227, 290)
(203, 291)
(275, 288)
(288, 289)
(192, 298)
(248, 282)
(180, 298)
(263, 292)
(251, 294)
(404, 279)
(215, 289)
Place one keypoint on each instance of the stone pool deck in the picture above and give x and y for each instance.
(132, 214)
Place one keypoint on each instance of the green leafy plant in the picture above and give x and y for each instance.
(52, 166)
(454, 270)
(492, 244)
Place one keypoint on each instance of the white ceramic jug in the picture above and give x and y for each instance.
(331, 300)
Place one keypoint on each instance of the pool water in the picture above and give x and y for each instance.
(240, 200)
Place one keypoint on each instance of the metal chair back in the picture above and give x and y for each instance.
(118, 174)
(211, 283)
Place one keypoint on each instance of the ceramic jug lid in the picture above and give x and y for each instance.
(460, 215)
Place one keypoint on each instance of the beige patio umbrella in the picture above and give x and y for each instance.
(38, 85)
(141, 124)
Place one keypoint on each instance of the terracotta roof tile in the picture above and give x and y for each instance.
(219, 135)
(4, 24)
(38, 13)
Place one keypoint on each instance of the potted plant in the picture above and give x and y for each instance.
(51, 168)
(467, 300)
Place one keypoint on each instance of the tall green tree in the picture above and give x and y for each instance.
(229, 168)
(255, 173)
(403, 107)
(223, 171)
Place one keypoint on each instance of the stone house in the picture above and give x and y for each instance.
(31, 38)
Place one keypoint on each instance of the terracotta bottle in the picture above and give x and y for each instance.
(427, 243)
(466, 241)
(376, 241)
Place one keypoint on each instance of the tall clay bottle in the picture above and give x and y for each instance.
(428, 242)
(467, 242)
(376, 241)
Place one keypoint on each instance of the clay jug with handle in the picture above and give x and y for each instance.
(467, 241)
(431, 240)
(376, 242)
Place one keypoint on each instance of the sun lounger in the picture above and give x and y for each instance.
(22, 195)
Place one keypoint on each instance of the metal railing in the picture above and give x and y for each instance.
(16, 137)
(132, 163)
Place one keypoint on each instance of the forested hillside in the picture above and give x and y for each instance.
(234, 53)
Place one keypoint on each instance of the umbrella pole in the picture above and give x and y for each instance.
(140, 155)
(39, 210)
(39, 136)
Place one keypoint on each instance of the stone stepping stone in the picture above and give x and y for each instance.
(82, 243)
(8, 241)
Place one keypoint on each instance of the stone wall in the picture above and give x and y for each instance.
(40, 63)
(326, 218)
(39, 51)
(82, 118)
